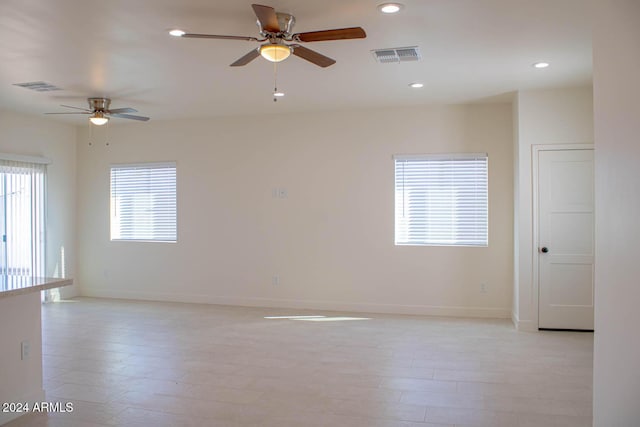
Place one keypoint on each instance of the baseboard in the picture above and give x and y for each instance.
(69, 292)
(523, 325)
(65, 292)
(482, 312)
(514, 319)
(37, 396)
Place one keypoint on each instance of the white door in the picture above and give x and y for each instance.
(565, 239)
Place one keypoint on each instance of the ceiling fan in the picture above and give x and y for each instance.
(276, 29)
(99, 112)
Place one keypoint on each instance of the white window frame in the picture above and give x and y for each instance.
(166, 234)
(444, 222)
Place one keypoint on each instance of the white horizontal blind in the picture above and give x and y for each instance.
(441, 200)
(143, 202)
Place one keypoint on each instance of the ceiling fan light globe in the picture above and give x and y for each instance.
(275, 52)
(98, 119)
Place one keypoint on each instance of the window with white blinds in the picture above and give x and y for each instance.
(441, 200)
(143, 202)
(22, 218)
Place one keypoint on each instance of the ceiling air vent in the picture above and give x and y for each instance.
(38, 86)
(397, 54)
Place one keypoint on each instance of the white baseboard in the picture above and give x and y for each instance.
(482, 312)
(69, 292)
(523, 325)
(514, 319)
(37, 396)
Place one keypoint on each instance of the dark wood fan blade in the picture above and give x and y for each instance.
(75, 108)
(129, 116)
(215, 36)
(247, 58)
(312, 56)
(267, 17)
(122, 110)
(338, 34)
(88, 112)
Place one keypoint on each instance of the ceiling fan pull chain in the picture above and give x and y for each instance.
(275, 81)
(90, 134)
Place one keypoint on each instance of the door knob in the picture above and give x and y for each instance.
(544, 250)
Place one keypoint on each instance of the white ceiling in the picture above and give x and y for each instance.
(473, 51)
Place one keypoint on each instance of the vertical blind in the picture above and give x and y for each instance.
(143, 202)
(441, 200)
(22, 218)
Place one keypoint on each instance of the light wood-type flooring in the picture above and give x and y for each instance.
(151, 364)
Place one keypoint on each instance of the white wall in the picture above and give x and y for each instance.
(617, 137)
(557, 116)
(37, 136)
(330, 241)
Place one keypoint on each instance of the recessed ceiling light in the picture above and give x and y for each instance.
(416, 85)
(389, 8)
(177, 33)
(541, 65)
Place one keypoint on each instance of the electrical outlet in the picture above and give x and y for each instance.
(275, 280)
(25, 350)
(279, 193)
(483, 288)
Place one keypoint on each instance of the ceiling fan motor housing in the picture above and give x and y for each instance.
(99, 104)
(285, 22)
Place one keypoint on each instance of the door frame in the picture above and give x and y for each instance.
(535, 151)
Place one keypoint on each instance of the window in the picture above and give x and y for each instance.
(143, 202)
(441, 200)
(22, 217)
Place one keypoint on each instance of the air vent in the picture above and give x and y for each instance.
(397, 55)
(38, 86)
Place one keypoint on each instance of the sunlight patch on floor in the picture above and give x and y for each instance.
(318, 318)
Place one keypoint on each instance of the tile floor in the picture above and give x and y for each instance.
(127, 363)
